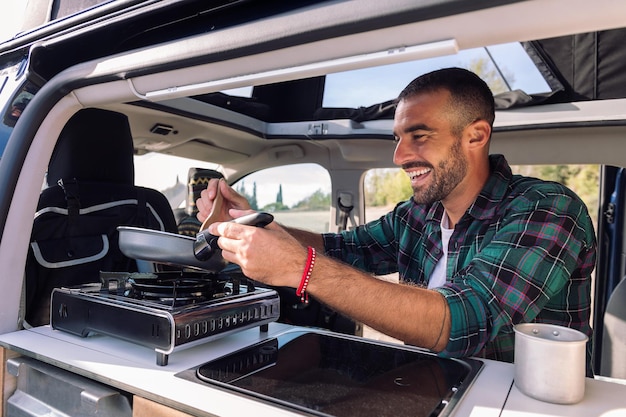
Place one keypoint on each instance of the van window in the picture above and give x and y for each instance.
(383, 189)
(167, 174)
(493, 64)
(297, 195)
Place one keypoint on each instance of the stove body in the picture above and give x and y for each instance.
(165, 311)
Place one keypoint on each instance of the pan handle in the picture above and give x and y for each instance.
(206, 244)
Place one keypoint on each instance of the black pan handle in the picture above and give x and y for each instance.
(206, 244)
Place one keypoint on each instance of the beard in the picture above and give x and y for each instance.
(444, 177)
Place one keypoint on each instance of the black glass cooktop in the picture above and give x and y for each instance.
(327, 374)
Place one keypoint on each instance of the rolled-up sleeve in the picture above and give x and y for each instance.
(372, 247)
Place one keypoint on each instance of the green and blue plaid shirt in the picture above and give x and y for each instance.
(523, 252)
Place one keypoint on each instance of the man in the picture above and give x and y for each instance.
(517, 249)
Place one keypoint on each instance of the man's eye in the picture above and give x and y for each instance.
(396, 138)
(422, 137)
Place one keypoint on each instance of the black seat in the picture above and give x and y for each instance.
(90, 192)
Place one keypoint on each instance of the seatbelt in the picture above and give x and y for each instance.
(345, 206)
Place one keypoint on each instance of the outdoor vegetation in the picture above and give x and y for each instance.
(318, 200)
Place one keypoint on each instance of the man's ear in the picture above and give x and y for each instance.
(479, 133)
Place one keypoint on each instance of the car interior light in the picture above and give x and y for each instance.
(389, 56)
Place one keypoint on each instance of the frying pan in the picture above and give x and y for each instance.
(165, 248)
(201, 252)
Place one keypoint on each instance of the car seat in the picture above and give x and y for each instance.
(90, 192)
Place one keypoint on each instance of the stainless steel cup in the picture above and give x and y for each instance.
(550, 362)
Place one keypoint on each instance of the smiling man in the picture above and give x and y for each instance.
(478, 249)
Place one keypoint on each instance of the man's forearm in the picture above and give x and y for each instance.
(415, 315)
(307, 238)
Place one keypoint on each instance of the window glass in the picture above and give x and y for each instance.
(297, 195)
(384, 188)
(168, 174)
(239, 92)
(504, 67)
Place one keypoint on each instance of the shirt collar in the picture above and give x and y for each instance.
(495, 189)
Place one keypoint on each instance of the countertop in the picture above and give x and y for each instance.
(133, 368)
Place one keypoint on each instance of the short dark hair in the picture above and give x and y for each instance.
(471, 98)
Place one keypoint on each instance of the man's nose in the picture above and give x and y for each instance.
(402, 153)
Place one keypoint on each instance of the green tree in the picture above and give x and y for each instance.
(278, 204)
(251, 198)
(485, 69)
(385, 187)
(279, 196)
(253, 201)
(319, 200)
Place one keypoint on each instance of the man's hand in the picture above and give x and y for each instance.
(270, 254)
(217, 201)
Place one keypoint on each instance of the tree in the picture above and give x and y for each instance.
(251, 198)
(386, 187)
(319, 200)
(491, 75)
(253, 202)
(279, 196)
(278, 204)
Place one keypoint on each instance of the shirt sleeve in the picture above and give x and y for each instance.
(537, 249)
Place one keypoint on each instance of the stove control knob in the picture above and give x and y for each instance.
(63, 310)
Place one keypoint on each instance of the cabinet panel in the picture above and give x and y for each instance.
(8, 383)
(146, 408)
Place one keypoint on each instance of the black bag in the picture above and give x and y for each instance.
(75, 236)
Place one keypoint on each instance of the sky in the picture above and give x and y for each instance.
(10, 17)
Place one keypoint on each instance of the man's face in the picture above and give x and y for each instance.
(426, 148)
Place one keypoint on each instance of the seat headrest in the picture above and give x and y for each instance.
(94, 146)
(197, 180)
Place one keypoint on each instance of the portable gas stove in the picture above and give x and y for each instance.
(164, 310)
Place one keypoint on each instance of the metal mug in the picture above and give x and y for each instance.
(550, 362)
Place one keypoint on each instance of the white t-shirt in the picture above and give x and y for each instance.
(438, 278)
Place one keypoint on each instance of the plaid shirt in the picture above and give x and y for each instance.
(523, 252)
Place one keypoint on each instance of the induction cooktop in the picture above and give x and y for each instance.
(327, 374)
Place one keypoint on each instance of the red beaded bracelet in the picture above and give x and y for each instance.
(306, 275)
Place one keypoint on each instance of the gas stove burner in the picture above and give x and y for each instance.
(177, 290)
(174, 288)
